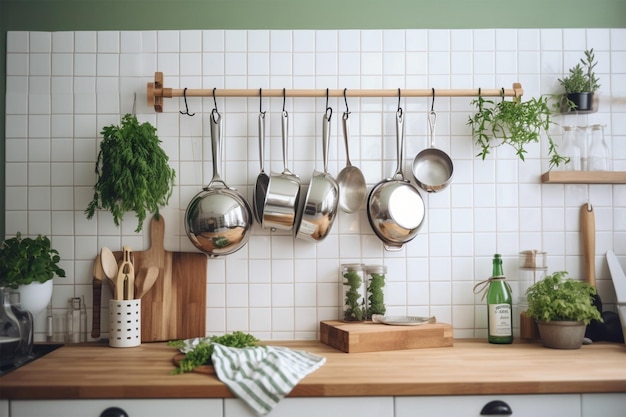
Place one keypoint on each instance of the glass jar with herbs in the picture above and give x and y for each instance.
(352, 292)
(375, 275)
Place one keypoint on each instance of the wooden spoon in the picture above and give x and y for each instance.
(98, 275)
(109, 265)
(146, 282)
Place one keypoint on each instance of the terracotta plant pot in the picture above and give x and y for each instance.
(562, 334)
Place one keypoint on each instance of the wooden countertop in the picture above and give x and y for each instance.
(469, 367)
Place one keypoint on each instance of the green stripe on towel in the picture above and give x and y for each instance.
(261, 376)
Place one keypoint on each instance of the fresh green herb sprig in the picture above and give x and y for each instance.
(201, 354)
(132, 170)
(376, 295)
(516, 123)
(354, 310)
(582, 77)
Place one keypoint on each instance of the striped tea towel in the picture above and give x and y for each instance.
(262, 375)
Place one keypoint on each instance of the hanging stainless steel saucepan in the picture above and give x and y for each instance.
(262, 180)
(283, 192)
(218, 219)
(319, 210)
(395, 208)
(432, 167)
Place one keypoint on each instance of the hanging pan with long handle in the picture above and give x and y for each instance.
(283, 191)
(395, 208)
(432, 167)
(262, 180)
(218, 219)
(319, 210)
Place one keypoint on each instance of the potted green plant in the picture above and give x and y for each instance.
(517, 123)
(580, 84)
(28, 265)
(133, 172)
(562, 308)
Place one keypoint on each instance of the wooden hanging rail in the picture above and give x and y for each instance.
(156, 92)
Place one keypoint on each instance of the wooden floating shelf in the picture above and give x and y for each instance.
(584, 177)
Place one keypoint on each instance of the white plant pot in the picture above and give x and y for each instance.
(35, 297)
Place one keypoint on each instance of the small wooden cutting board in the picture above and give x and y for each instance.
(175, 306)
(375, 337)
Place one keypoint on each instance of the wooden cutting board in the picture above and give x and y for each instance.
(175, 306)
(375, 337)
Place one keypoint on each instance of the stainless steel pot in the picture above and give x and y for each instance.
(218, 219)
(395, 208)
(319, 210)
(432, 167)
(283, 191)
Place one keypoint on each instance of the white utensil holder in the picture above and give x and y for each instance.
(124, 323)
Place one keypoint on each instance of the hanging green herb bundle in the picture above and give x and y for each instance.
(516, 123)
(132, 170)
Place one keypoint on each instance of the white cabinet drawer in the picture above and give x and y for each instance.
(604, 405)
(134, 408)
(318, 407)
(470, 406)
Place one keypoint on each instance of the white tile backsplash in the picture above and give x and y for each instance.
(63, 87)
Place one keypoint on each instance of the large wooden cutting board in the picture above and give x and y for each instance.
(375, 337)
(175, 307)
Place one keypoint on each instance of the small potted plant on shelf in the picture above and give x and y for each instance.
(562, 308)
(516, 123)
(580, 85)
(28, 265)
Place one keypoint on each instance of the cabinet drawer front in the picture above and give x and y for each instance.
(318, 407)
(134, 408)
(567, 405)
(604, 405)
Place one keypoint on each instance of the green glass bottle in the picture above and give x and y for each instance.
(499, 306)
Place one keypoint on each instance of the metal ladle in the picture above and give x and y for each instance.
(352, 188)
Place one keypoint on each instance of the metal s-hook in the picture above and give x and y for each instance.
(345, 99)
(284, 100)
(329, 111)
(186, 107)
(502, 93)
(399, 111)
(432, 105)
(214, 113)
(261, 102)
(214, 100)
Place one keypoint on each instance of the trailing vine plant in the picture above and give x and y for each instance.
(516, 123)
(132, 170)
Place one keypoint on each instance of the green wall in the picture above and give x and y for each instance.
(58, 15)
